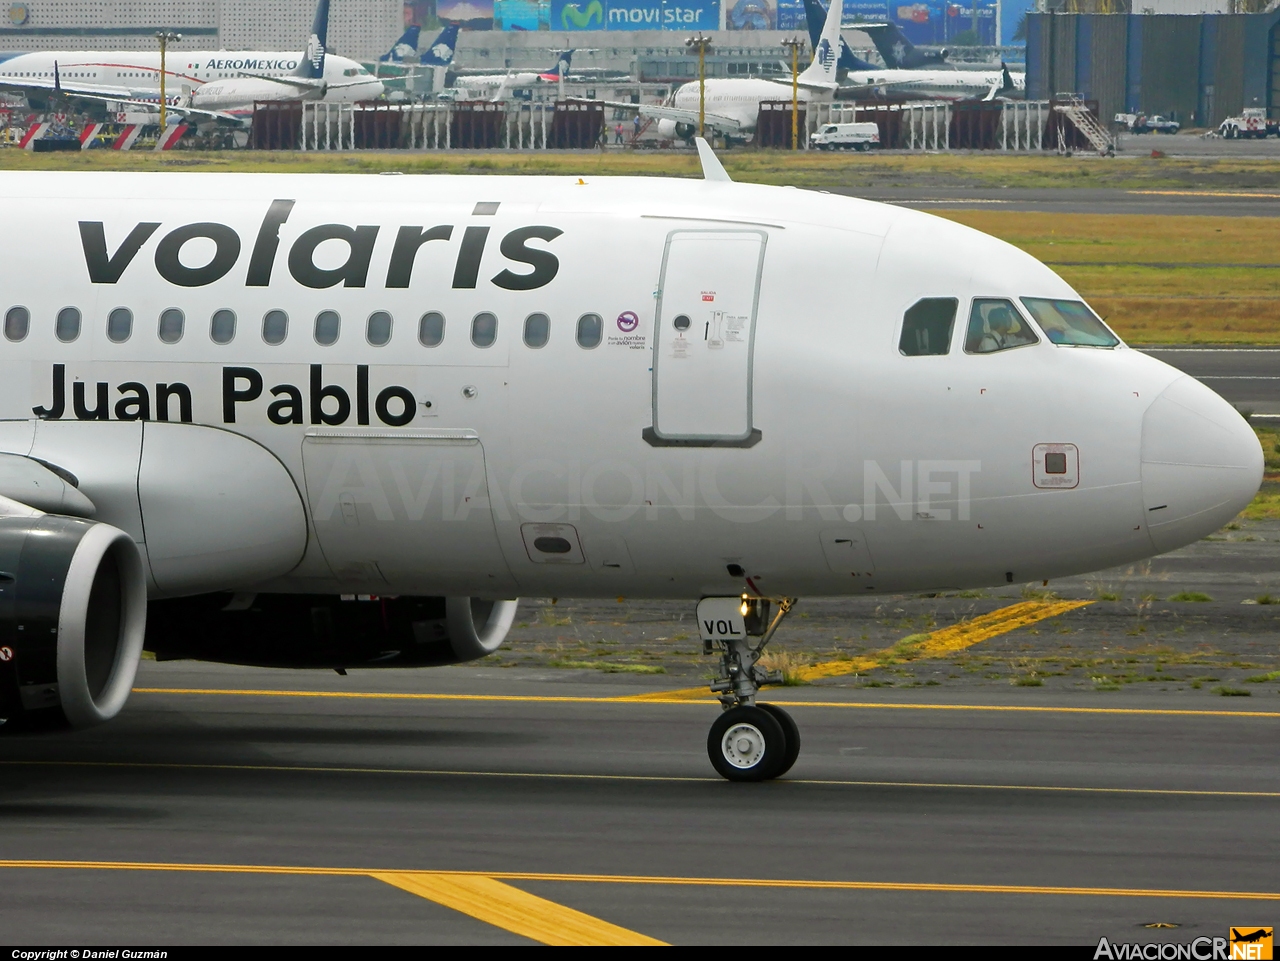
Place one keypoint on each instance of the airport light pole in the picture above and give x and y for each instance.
(795, 45)
(165, 37)
(702, 45)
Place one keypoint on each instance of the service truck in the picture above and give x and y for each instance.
(846, 136)
(1252, 123)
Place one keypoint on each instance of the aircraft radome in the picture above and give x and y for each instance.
(343, 421)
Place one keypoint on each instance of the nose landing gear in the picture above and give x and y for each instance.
(749, 741)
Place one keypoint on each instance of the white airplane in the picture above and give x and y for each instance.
(503, 82)
(343, 421)
(922, 84)
(731, 105)
(203, 84)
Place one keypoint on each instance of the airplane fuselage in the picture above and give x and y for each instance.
(133, 74)
(545, 386)
(940, 84)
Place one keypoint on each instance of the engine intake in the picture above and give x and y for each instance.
(323, 630)
(73, 606)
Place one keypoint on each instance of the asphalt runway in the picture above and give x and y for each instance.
(1248, 377)
(911, 817)
(1162, 202)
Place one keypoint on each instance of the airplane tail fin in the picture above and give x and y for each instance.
(826, 51)
(312, 66)
(815, 15)
(406, 46)
(898, 52)
(563, 59)
(440, 53)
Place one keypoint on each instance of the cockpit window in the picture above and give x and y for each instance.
(1070, 323)
(927, 326)
(996, 325)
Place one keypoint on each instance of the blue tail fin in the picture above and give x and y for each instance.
(564, 58)
(899, 52)
(440, 53)
(313, 65)
(816, 14)
(406, 46)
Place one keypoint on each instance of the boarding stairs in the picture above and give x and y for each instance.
(1073, 109)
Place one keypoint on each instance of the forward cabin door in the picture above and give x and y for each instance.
(704, 341)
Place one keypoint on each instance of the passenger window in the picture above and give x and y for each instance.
(590, 330)
(327, 325)
(119, 325)
(1070, 323)
(927, 326)
(484, 329)
(275, 326)
(68, 326)
(378, 329)
(996, 325)
(537, 330)
(222, 326)
(17, 322)
(431, 329)
(172, 322)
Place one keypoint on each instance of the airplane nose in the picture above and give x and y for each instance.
(1201, 464)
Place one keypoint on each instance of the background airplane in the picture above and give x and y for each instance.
(218, 85)
(731, 105)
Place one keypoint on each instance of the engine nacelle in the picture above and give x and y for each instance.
(73, 608)
(322, 630)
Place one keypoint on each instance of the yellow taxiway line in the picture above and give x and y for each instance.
(1204, 193)
(804, 884)
(917, 647)
(487, 899)
(707, 699)
(650, 778)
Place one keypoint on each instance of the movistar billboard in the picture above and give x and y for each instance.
(635, 14)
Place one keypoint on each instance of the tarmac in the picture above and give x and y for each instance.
(1086, 774)
(1162, 202)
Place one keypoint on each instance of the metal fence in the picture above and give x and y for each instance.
(1009, 126)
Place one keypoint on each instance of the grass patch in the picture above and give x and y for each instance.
(609, 667)
(1194, 597)
(1225, 691)
(786, 662)
(806, 169)
(1027, 680)
(1263, 678)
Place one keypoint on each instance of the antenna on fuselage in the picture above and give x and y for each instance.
(712, 169)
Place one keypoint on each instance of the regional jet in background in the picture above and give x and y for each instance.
(731, 105)
(201, 83)
(344, 421)
(502, 82)
(912, 73)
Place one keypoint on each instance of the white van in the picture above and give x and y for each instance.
(846, 136)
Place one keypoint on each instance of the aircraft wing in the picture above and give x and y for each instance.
(153, 105)
(679, 115)
(66, 89)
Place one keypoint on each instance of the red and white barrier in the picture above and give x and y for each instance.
(170, 136)
(127, 136)
(34, 133)
(88, 133)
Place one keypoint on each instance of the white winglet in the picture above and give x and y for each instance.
(712, 169)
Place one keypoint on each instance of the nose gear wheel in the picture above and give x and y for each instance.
(747, 743)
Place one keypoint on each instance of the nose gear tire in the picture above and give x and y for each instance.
(747, 744)
(790, 731)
